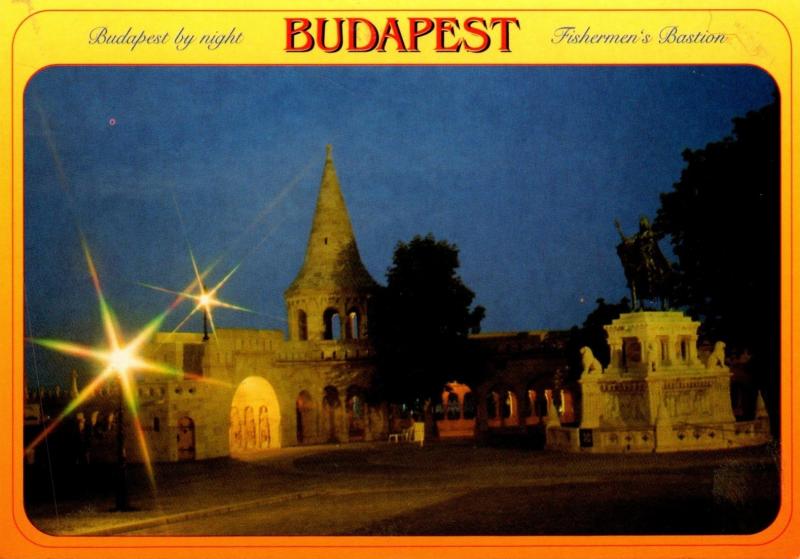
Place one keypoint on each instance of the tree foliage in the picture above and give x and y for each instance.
(723, 216)
(421, 320)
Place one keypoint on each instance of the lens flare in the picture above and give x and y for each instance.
(205, 299)
(118, 361)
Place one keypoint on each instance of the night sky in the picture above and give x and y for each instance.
(524, 168)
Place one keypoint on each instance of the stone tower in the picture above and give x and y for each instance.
(329, 298)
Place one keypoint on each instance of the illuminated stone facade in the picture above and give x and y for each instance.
(244, 390)
(658, 394)
(250, 390)
(521, 368)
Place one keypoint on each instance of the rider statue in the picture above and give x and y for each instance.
(646, 268)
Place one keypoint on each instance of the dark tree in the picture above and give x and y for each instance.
(723, 216)
(420, 322)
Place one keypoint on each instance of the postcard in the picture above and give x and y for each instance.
(398, 281)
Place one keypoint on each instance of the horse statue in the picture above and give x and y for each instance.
(647, 270)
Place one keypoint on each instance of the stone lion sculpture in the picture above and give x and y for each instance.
(717, 357)
(589, 362)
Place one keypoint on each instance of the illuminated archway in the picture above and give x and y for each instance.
(255, 407)
(509, 409)
(332, 323)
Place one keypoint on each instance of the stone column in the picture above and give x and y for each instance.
(591, 403)
(340, 420)
(616, 355)
(720, 395)
(693, 350)
(671, 357)
(655, 395)
(73, 386)
(552, 414)
(663, 429)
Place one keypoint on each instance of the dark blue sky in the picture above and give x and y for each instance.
(524, 168)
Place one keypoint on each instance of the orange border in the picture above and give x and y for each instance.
(507, 545)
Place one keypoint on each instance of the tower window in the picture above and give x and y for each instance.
(353, 326)
(332, 324)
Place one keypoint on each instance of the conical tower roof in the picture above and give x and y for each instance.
(332, 261)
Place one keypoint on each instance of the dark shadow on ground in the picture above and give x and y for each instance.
(444, 488)
(662, 504)
(533, 439)
(69, 487)
(345, 461)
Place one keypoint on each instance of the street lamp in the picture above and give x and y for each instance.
(205, 301)
(120, 360)
(121, 482)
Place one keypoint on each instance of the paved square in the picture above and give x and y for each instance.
(453, 488)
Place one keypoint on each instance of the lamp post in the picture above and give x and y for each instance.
(204, 302)
(121, 489)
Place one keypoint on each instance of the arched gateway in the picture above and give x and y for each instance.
(255, 417)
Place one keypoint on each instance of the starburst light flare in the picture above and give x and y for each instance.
(118, 360)
(205, 299)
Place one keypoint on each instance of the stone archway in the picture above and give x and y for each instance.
(356, 412)
(304, 409)
(331, 404)
(255, 417)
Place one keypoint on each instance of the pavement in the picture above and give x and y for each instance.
(80, 499)
(442, 488)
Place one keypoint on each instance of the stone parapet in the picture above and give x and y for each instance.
(325, 351)
(672, 438)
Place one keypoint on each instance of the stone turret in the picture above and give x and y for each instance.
(328, 300)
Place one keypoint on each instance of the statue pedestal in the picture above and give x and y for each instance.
(656, 395)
